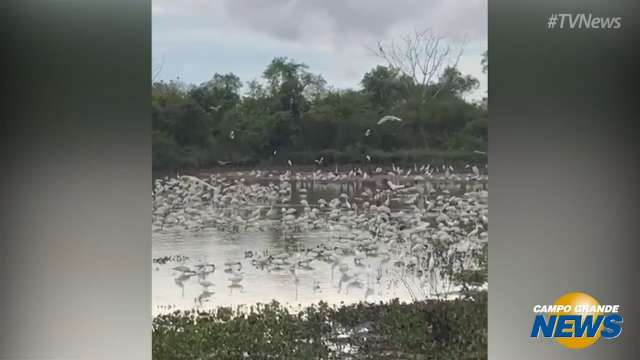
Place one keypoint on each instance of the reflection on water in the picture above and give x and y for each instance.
(295, 255)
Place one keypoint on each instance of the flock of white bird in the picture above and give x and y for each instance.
(367, 133)
(391, 230)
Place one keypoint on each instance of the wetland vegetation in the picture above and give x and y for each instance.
(294, 220)
(292, 114)
(418, 234)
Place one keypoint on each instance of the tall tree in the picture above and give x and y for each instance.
(219, 94)
(421, 55)
(291, 86)
(455, 83)
(385, 86)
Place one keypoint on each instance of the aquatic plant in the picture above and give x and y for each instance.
(433, 329)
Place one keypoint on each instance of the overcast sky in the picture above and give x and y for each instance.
(193, 39)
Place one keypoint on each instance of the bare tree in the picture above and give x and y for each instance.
(422, 55)
(157, 69)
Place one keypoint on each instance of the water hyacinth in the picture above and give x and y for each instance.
(433, 329)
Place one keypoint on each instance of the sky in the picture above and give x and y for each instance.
(193, 39)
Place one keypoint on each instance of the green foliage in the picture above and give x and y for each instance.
(455, 329)
(386, 87)
(293, 111)
(453, 81)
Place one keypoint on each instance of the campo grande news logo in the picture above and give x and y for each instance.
(576, 320)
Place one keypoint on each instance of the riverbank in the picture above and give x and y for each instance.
(330, 158)
(338, 172)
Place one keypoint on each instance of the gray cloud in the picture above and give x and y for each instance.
(293, 19)
(337, 30)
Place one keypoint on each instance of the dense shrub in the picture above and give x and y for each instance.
(433, 329)
(293, 115)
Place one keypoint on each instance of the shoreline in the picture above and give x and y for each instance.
(304, 169)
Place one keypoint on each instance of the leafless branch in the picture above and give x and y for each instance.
(157, 70)
(422, 55)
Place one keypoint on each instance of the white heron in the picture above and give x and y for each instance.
(388, 118)
(182, 268)
(206, 284)
(204, 296)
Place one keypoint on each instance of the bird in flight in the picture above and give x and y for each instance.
(388, 118)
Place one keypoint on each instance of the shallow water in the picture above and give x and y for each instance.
(319, 282)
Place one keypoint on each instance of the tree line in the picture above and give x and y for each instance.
(292, 114)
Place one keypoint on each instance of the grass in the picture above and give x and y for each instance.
(432, 329)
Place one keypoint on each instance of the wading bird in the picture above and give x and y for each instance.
(388, 118)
